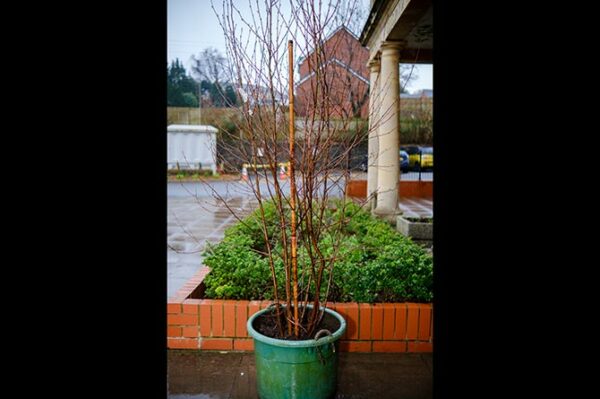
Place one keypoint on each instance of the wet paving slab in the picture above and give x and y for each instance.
(192, 222)
(231, 375)
(416, 207)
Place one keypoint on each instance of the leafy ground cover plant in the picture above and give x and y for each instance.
(373, 263)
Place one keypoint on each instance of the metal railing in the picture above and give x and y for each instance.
(418, 173)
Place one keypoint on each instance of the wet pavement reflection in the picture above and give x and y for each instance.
(191, 224)
(231, 375)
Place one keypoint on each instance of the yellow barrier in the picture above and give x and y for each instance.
(264, 165)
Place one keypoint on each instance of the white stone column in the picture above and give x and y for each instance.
(373, 150)
(388, 173)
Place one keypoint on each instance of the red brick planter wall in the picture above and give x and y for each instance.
(407, 189)
(212, 324)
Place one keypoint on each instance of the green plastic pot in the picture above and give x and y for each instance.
(296, 369)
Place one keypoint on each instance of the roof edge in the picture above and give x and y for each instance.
(329, 36)
(372, 20)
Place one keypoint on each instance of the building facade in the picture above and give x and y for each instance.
(342, 64)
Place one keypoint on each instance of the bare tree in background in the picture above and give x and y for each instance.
(407, 75)
(211, 65)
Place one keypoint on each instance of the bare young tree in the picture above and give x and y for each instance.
(261, 47)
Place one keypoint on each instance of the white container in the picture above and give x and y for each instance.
(192, 147)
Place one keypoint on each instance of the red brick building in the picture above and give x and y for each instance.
(346, 76)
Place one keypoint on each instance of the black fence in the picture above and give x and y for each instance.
(420, 175)
(233, 155)
(418, 168)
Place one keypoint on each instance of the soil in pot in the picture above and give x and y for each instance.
(266, 325)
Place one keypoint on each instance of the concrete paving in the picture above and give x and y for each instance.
(191, 223)
(231, 375)
(416, 207)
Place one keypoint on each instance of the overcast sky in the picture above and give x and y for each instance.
(192, 26)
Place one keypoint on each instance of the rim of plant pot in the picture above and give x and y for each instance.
(306, 343)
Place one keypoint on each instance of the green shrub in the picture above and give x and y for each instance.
(237, 271)
(373, 263)
(194, 173)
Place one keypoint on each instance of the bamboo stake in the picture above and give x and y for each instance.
(294, 244)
